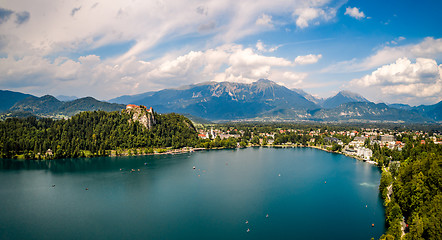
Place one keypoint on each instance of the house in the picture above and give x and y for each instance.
(360, 139)
(364, 153)
(224, 136)
(333, 139)
(131, 106)
(203, 136)
(387, 138)
(49, 152)
(361, 152)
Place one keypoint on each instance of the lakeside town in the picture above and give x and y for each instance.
(365, 144)
(355, 143)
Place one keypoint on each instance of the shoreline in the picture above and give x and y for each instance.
(183, 150)
(190, 150)
(163, 151)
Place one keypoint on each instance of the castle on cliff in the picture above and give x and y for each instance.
(141, 114)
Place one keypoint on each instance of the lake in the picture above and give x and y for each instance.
(291, 193)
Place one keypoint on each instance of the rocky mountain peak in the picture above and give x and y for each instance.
(352, 95)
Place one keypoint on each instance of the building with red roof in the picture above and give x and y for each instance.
(130, 106)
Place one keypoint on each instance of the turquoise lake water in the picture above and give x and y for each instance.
(307, 194)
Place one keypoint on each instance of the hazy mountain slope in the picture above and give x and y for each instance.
(127, 99)
(50, 106)
(38, 105)
(9, 98)
(88, 104)
(342, 97)
(368, 111)
(431, 111)
(66, 98)
(308, 96)
(400, 106)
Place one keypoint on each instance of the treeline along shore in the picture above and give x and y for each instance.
(411, 160)
(89, 134)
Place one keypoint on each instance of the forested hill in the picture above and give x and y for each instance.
(49, 106)
(92, 134)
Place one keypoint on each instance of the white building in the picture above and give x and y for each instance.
(364, 153)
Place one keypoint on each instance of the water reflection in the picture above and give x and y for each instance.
(366, 184)
(86, 164)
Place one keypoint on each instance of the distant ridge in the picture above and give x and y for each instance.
(49, 106)
(128, 99)
(341, 98)
(66, 98)
(9, 98)
(368, 111)
(308, 96)
(264, 100)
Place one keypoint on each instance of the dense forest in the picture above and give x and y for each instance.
(412, 189)
(91, 134)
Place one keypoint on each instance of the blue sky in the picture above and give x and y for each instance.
(387, 51)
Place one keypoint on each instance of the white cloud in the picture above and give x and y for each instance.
(260, 46)
(230, 62)
(90, 75)
(242, 65)
(354, 12)
(85, 76)
(145, 23)
(428, 48)
(290, 79)
(305, 16)
(36, 51)
(307, 59)
(396, 40)
(265, 20)
(411, 81)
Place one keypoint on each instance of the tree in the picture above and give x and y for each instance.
(255, 140)
(264, 141)
(416, 228)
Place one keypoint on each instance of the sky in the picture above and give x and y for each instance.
(387, 51)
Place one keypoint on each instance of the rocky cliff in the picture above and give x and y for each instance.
(142, 115)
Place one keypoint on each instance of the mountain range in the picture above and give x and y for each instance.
(225, 100)
(263, 100)
(266, 100)
(9, 98)
(49, 106)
